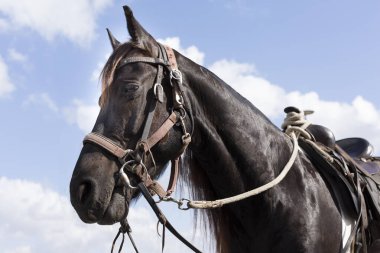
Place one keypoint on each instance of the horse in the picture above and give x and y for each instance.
(234, 148)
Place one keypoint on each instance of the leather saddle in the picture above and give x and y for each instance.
(359, 149)
(361, 152)
(356, 147)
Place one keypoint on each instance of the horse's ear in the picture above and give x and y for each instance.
(138, 33)
(114, 42)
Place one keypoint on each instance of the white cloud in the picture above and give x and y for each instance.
(359, 118)
(15, 55)
(345, 119)
(20, 249)
(40, 220)
(259, 91)
(81, 114)
(73, 19)
(191, 52)
(4, 26)
(37, 219)
(41, 99)
(6, 86)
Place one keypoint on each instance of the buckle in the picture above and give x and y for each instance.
(177, 75)
(158, 91)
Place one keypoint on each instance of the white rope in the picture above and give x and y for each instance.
(220, 202)
(294, 125)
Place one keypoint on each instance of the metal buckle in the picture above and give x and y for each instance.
(185, 202)
(178, 99)
(179, 202)
(177, 75)
(159, 92)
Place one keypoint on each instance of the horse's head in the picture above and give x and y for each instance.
(138, 98)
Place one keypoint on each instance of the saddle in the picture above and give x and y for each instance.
(361, 152)
(356, 147)
(359, 155)
(359, 149)
(351, 173)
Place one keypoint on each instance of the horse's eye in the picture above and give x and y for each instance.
(127, 88)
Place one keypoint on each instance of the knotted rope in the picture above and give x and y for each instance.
(295, 121)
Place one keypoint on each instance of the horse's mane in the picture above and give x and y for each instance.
(215, 221)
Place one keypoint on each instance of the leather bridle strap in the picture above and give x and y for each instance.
(119, 152)
(160, 133)
(153, 102)
(173, 176)
(163, 220)
(106, 143)
(151, 60)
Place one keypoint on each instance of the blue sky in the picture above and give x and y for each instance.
(321, 55)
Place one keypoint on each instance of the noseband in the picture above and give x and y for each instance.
(133, 160)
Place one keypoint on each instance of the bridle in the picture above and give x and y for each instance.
(132, 161)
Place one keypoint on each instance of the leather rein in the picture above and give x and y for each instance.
(133, 160)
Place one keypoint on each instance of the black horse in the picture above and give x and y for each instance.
(234, 148)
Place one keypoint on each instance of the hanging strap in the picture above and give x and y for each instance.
(163, 220)
(173, 176)
(125, 228)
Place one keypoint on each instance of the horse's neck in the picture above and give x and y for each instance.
(236, 145)
(238, 149)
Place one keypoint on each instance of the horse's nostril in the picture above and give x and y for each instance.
(84, 192)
